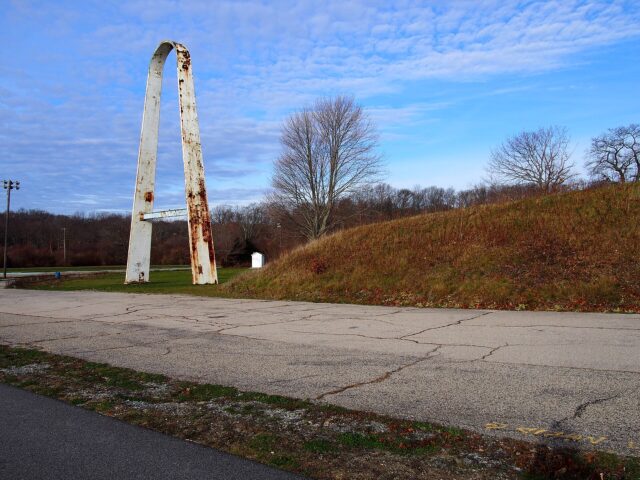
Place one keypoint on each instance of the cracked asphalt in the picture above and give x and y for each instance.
(567, 378)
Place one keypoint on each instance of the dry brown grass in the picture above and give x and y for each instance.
(571, 251)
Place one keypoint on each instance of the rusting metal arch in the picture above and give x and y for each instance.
(203, 265)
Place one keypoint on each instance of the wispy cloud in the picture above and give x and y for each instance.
(70, 109)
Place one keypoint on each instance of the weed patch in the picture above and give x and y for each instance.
(202, 393)
(320, 446)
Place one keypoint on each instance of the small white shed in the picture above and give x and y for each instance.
(257, 260)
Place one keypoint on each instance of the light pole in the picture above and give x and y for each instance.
(8, 186)
(64, 246)
(279, 227)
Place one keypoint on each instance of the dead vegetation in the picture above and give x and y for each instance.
(569, 251)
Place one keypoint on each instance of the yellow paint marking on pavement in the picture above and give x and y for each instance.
(532, 430)
(495, 426)
(572, 437)
(526, 430)
(596, 441)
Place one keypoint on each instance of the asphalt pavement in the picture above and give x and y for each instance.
(540, 376)
(42, 438)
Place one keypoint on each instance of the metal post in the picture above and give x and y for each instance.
(8, 186)
(6, 228)
(64, 246)
(279, 227)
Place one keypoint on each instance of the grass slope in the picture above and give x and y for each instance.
(572, 251)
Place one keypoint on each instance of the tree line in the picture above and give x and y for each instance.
(36, 237)
(326, 178)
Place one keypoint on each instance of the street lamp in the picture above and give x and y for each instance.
(8, 186)
(64, 246)
(279, 227)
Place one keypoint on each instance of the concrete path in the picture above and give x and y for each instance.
(570, 377)
(43, 438)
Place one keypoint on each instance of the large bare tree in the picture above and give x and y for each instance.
(615, 155)
(539, 158)
(328, 151)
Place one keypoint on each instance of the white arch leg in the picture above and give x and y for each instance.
(203, 264)
(201, 249)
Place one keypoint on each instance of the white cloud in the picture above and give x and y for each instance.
(71, 111)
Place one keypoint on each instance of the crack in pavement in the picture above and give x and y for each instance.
(457, 322)
(394, 312)
(66, 309)
(363, 319)
(189, 320)
(36, 323)
(55, 320)
(386, 375)
(194, 319)
(263, 308)
(356, 335)
(483, 357)
(395, 339)
(81, 337)
(493, 350)
(561, 326)
(580, 409)
(567, 367)
(109, 315)
(158, 342)
(307, 317)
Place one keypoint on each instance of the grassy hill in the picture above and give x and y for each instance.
(571, 251)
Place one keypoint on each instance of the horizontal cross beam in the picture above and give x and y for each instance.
(175, 212)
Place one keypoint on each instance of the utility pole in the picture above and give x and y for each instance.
(8, 186)
(64, 246)
(279, 227)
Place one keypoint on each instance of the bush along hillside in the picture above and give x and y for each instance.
(571, 251)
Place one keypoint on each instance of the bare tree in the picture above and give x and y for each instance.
(404, 199)
(222, 214)
(615, 155)
(250, 218)
(328, 151)
(539, 158)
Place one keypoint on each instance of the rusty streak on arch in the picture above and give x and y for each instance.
(203, 265)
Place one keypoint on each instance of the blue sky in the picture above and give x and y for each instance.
(444, 81)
